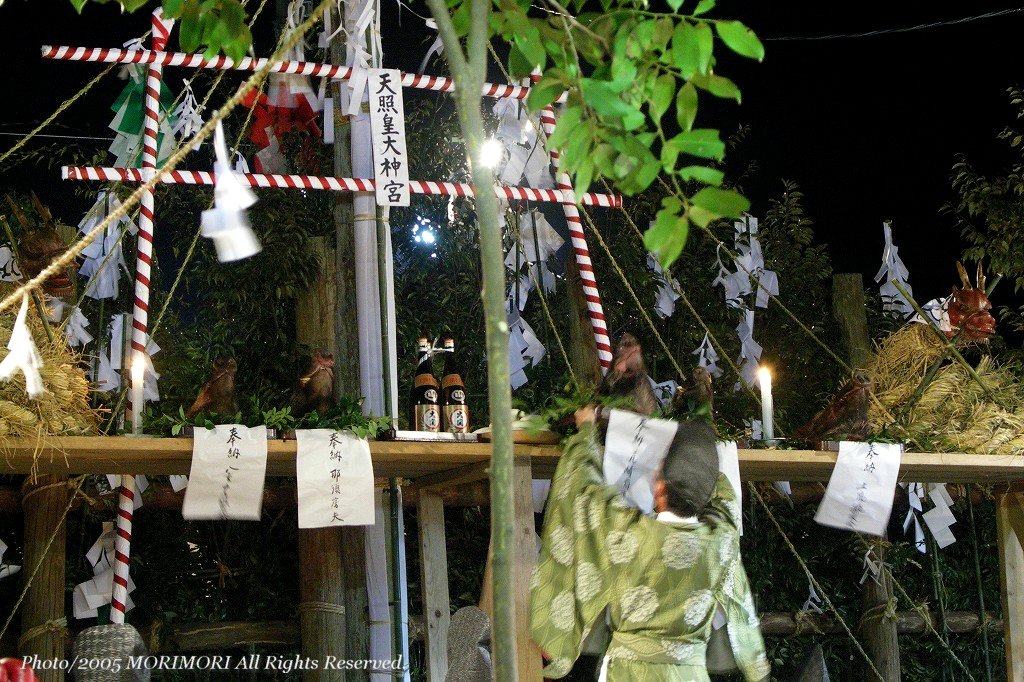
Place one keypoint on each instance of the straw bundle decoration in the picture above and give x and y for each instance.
(64, 410)
(953, 413)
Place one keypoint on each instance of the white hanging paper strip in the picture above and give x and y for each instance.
(893, 270)
(387, 125)
(666, 303)
(750, 350)
(729, 464)
(187, 119)
(92, 594)
(540, 489)
(178, 482)
(859, 495)
(227, 224)
(9, 271)
(707, 357)
(664, 391)
(23, 355)
(104, 257)
(634, 449)
(76, 330)
(334, 478)
(937, 311)
(54, 308)
(6, 570)
(812, 605)
(141, 483)
(941, 517)
(436, 48)
(229, 464)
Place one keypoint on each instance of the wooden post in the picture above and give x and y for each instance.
(1009, 530)
(880, 633)
(434, 583)
(42, 612)
(850, 310)
(528, 658)
(582, 345)
(326, 316)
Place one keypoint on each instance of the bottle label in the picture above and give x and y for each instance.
(431, 395)
(428, 418)
(451, 380)
(456, 418)
(425, 380)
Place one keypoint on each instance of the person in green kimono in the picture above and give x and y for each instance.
(663, 579)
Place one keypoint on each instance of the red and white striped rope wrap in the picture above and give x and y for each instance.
(140, 309)
(595, 310)
(122, 547)
(198, 61)
(178, 177)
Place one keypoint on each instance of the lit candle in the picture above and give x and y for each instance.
(138, 379)
(764, 377)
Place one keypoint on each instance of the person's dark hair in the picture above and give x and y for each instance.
(690, 470)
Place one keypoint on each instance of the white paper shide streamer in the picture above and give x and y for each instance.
(23, 355)
(104, 257)
(227, 223)
(893, 271)
(667, 296)
(707, 357)
(75, 328)
(92, 594)
(9, 271)
(750, 278)
(6, 570)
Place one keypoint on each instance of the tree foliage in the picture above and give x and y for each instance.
(634, 79)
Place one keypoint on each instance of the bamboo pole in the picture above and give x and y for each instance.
(880, 633)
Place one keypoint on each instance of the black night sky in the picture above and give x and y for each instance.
(868, 127)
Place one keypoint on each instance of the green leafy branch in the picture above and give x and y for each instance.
(214, 25)
(624, 70)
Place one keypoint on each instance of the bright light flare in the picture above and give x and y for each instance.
(491, 153)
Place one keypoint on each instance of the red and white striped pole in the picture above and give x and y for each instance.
(140, 311)
(580, 249)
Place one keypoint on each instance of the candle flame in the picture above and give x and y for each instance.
(764, 375)
(138, 369)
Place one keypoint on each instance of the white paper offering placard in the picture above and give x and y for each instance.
(729, 464)
(860, 492)
(387, 130)
(229, 463)
(634, 449)
(335, 479)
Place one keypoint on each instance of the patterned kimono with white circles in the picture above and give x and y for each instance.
(661, 582)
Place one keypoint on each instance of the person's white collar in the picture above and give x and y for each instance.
(673, 518)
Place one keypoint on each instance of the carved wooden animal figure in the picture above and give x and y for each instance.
(218, 393)
(846, 415)
(698, 389)
(316, 386)
(969, 308)
(39, 246)
(628, 376)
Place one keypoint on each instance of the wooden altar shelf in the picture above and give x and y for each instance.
(436, 465)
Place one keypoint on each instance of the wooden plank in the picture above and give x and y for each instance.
(434, 583)
(470, 473)
(524, 548)
(1011, 579)
(162, 456)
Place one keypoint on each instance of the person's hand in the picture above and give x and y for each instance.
(585, 415)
